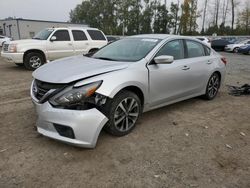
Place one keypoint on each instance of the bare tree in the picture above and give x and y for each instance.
(204, 16)
(224, 11)
(216, 13)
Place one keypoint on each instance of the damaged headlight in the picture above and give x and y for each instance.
(75, 95)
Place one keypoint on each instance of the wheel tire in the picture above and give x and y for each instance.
(213, 87)
(33, 60)
(235, 50)
(19, 64)
(120, 122)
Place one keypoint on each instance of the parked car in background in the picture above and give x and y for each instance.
(51, 44)
(205, 40)
(244, 49)
(219, 44)
(4, 39)
(77, 96)
(235, 47)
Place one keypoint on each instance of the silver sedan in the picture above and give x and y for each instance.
(77, 97)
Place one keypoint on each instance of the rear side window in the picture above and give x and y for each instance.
(173, 48)
(194, 49)
(62, 35)
(207, 50)
(79, 35)
(96, 35)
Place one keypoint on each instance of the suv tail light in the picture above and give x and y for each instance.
(224, 60)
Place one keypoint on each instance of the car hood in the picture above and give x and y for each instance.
(74, 68)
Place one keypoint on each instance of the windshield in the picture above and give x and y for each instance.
(44, 34)
(129, 49)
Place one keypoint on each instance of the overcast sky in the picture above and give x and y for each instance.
(53, 10)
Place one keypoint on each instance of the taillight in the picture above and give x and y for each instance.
(224, 60)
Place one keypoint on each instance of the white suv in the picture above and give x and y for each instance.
(51, 44)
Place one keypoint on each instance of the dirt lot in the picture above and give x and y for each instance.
(194, 143)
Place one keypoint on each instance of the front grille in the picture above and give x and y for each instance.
(41, 88)
(5, 47)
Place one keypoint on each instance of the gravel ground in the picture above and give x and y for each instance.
(194, 143)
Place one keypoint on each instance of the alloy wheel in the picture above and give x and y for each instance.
(213, 85)
(35, 62)
(126, 114)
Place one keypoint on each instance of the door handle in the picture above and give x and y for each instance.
(185, 67)
(70, 44)
(209, 62)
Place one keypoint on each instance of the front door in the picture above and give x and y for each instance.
(61, 47)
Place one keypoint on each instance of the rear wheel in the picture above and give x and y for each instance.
(213, 86)
(123, 112)
(33, 60)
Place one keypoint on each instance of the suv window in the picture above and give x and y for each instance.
(173, 48)
(62, 35)
(194, 49)
(79, 35)
(96, 35)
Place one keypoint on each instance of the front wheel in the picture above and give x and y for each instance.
(123, 112)
(235, 50)
(33, 60)
(213, 86)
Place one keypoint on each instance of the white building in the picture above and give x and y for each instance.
(25, 28)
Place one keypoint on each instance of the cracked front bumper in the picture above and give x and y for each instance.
(86, 124)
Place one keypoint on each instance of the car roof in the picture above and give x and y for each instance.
(154, 36)
(83, 28)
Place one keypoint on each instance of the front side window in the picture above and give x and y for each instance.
(96, 35)
(194, 49)
(79, 35)
(62, 35)
(129, 49)
(173, 48)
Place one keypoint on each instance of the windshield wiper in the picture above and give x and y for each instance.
(105, 58)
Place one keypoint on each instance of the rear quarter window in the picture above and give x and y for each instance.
(96, 35)
(207, 51)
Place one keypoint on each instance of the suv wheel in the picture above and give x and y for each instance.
(33, 60)
(213, 86)
(123, 112)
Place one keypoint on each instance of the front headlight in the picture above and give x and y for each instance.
(12, 48)
(75, 95)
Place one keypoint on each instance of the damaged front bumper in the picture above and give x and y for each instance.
(77, 127)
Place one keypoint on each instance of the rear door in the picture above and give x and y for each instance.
(80, 42)
(61, 47)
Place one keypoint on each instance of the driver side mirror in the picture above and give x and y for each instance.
(53, 38)
(164, 59)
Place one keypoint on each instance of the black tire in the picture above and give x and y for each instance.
(33, 60)
(213, 87)
(19, 64)
(113, 110)
(235, 50)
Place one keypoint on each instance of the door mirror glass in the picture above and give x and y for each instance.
(53, 38)
(164, 59)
